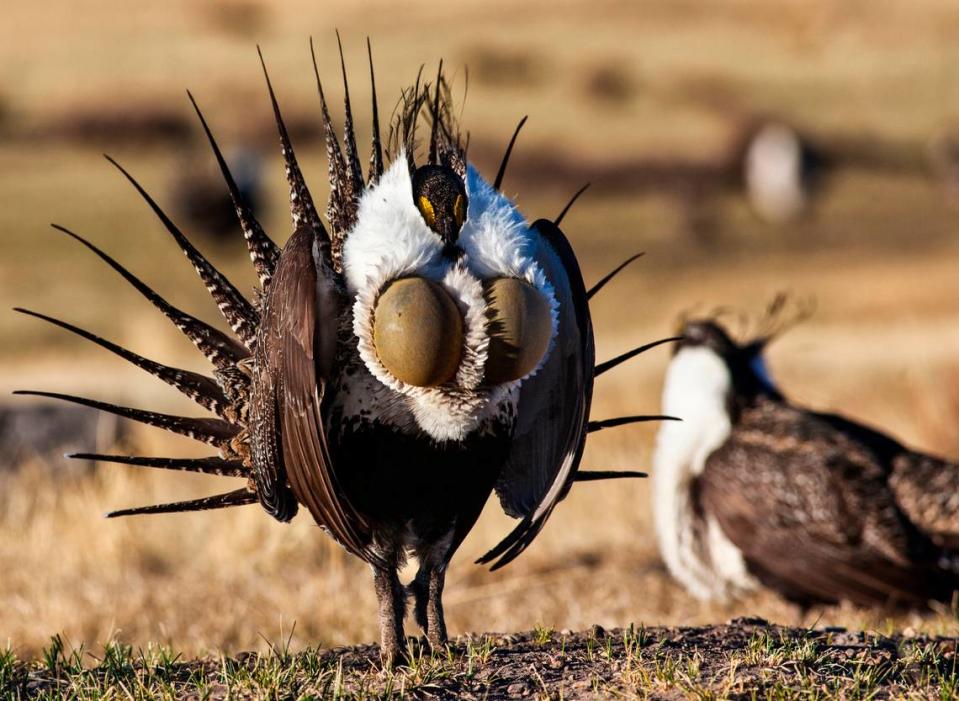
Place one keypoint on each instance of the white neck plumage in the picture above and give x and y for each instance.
(696, 390)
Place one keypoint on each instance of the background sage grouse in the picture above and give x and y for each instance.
(393, 370)
(750, 489)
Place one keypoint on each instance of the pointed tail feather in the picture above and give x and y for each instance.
(238, 497)
(611, 274)
(213, 431)
(376, 149)
(217, 347)
(596, 475)
(619, 359)
(207, 466)
(509, 150)
(403, 130)
(435, 111)
(201, 389)
(263, 251)
(235, 308)
(594, 426)
(353, 168)
(342, 203)
(572, 200)
(301, 201)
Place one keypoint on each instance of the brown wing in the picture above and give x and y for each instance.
(810, 509)
(294, 357)
(927, 490)
(553, 410)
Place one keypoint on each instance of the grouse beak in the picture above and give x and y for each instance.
(449, 232)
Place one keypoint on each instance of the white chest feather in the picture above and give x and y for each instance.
(695, 549)
(391, 241)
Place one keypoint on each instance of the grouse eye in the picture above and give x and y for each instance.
(459, 210)
(418, 332)
(520, 328)
(426, 209)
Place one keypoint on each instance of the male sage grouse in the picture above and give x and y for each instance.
(751, 489)
(394, 369)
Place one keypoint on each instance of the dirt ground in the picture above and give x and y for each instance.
(746, 659)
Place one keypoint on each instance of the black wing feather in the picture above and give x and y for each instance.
(553, 409)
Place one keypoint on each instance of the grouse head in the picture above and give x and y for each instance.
(707, 342)
(440, 195)
(452, 307)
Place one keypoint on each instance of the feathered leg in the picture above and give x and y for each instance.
(428, 597)
(427, 590)
(392, 601)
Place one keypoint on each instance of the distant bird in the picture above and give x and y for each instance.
(750, 489)
(394, 371)
(782, 171)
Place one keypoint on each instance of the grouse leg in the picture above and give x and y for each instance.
(392, 601)
(428, 598)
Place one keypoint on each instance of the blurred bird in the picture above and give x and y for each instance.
(782, 171)
(393, 371)
(750, 489)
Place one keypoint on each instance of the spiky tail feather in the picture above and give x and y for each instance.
(238, 497)
(227, 395)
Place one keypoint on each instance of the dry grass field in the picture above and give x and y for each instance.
(607, 85)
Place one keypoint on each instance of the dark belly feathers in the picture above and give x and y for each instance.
(402, 482)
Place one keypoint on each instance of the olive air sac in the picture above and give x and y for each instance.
(418, 332)
(520, 327)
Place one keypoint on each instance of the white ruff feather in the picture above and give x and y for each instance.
(390, 241)
(698, 554)
(499, 243)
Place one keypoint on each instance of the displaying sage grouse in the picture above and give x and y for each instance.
(393, 370)
(751, 489)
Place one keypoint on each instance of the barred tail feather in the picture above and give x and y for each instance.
(376, 150)
(342, 203)
(433, 156)
(238, 497)
(201, 389)
(263, 251)
(354, 170)
(221, 350)
(301, 202)
(213, 431)
(235, 308)
(208, 466)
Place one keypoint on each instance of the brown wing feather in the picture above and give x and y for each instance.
(927, 490)
(300, 317)
(809, 507)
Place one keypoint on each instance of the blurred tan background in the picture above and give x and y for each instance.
(653, 102)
